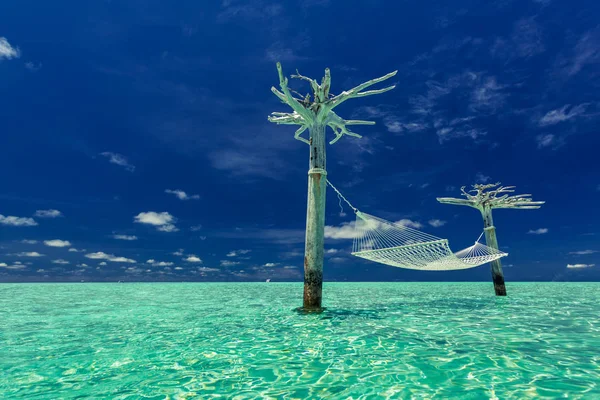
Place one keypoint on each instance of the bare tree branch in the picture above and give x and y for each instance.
(288, 98)
(338, 125)
(456, 202)
(483, 197)
(356, 92)
(320, 110)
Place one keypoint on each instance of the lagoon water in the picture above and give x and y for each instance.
(244, 340)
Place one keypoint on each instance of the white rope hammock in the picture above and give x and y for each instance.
(397, 245)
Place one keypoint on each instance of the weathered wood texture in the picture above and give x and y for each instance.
(485, 198)
(315, 220)
(491, 241)
(315, 116)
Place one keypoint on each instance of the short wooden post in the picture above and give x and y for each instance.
(492, 241)
(486, 197)
(315, 220)
(316, 115)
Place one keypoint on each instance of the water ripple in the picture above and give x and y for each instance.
(243, 341)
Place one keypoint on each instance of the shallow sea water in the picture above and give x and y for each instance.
(244, 340)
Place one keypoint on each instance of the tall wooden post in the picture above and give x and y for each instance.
(491, 241)
(316, 115)
(315, 220)
(484, 199)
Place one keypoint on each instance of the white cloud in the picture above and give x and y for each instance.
(583, 252)
(585, 52)
(47, 214)
(481, 178)
(545, 140)
(155, 263)
(236, 253)
(74, 250)
(178, 252)
(7, 51)
(29, 254)
(409, 223)
(178, 268)
(17, 221)
(344, 231)
(16, 266)
(33, 66)
(561, 114)
(82, 265)
(118, 159)
(154, 218)
(108, 257)
(436, 223)
(125, 237)
(57, 243)
(163, 221)
(575, 266)
(331, 251)
(60, 261)
(181, 195)
(207, 269)
(228, 263)
(487, 95)
(195, 228)
(26, 241)
(168, 228)
(396, 126)
(347, 231)
(539, 231)
(193, 258)
(103, 263)
(271, 264)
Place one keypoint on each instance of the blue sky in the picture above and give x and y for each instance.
(135, 141)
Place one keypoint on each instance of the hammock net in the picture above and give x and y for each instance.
(400, 246)
(397, 245)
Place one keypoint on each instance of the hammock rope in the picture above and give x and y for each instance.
(400, 246)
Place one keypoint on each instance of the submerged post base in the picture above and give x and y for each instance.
(313, 289)
(499, 286)
(304, 311)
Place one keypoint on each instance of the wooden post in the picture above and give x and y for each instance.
(315, 220)
(316, 115)
(491, 241)
(485, 197)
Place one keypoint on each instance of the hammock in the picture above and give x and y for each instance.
(398, 245)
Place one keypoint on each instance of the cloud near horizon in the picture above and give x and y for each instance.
(579, 266)
(163, 221)
(539, 231)
(181, 195)
(17, 221)
(47, 214)
(57, 243)
(109, 257)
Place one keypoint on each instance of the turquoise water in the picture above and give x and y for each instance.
(242, 341)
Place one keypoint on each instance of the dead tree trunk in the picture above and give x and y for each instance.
(315, 220)
(492, 241)
(485, 198)
(316, 115)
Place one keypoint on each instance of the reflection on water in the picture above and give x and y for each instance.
(396, 340)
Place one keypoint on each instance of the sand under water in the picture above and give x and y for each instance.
(243, 340)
